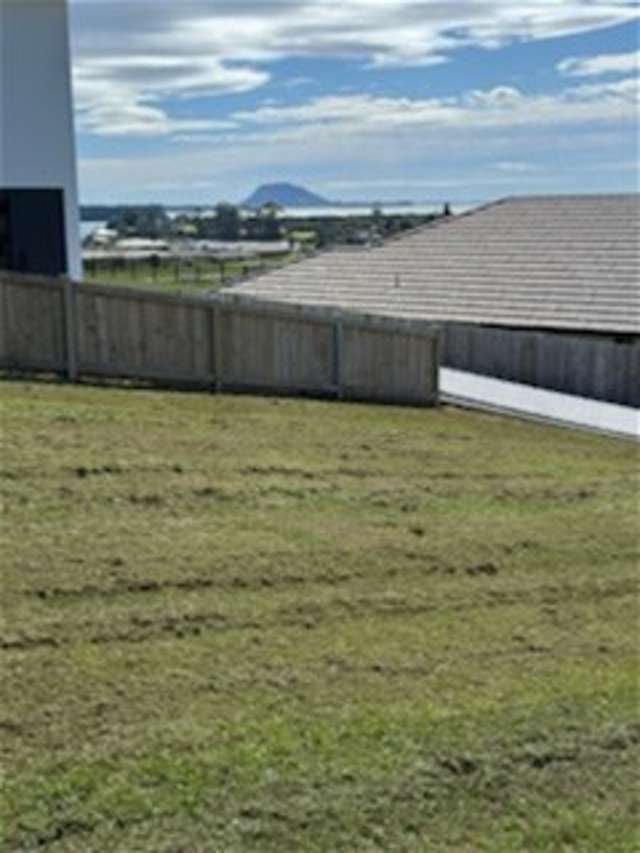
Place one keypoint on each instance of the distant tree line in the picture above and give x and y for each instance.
(228, 222)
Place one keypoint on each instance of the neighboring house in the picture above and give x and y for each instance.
(541, 290)
(38, 187)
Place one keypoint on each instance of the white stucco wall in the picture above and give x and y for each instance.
(37, 145)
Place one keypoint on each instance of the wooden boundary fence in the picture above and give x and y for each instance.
(599, 366)
(222, 343)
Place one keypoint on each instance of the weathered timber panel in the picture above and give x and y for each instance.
(386, 365)
(601, 367)
(32, 335)
(129, 336)
(122, 333)
(276, 353)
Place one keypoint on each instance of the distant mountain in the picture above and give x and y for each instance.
(285, 195)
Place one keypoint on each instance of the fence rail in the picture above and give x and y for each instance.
(222, 343)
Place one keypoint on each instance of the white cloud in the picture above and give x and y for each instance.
(173, 75)
(409, 186)
(141, 65)
(595, 66)
(414, 143)
(120, 96)
(626, 91)
(501, 106)
(131, 56)
(515, 166)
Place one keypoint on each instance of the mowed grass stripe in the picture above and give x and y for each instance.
(246, 624)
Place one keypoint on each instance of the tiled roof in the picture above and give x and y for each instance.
(565, 262)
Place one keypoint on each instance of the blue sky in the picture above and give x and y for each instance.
(192, 101)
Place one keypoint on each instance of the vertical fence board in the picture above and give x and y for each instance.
(633, 372)
(71, 329)
(201, 360)
(218, 346)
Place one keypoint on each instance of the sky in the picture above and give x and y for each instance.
(195, 101)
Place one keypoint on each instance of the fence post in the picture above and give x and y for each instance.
(338, 356)
(71, 328)
(218, 364)
(437, 345)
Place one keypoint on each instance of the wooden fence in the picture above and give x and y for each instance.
(223, 343)
(600, 366)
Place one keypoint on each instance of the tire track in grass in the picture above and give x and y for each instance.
(310, 615)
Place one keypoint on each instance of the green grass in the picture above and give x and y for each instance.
(203, 275)
(239, 624)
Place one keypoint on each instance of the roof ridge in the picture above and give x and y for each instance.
(439, 222)
(570, 196)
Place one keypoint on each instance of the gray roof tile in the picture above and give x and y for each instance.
(567, 262)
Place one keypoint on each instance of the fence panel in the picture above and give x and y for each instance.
(32, 324)
(226, 343)
(133, 334)
(382, 363)
(266, 351)
(598, 366)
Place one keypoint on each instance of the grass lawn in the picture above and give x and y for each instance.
(199, 276)
(237, 624)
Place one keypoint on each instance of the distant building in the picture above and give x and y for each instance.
(141, 244)
(38, 185)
